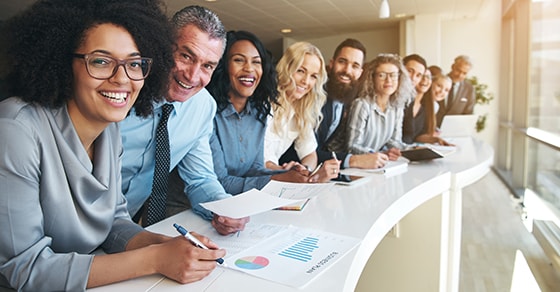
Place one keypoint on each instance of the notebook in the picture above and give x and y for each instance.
(427, 152)
(458, 125)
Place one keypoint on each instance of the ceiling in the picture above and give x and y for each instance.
(307, 18)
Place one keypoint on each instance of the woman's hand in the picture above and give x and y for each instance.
(328, 171)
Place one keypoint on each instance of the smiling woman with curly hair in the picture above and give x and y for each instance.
(42, 41)
(76, 68)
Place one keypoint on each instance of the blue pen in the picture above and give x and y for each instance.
(194, 240)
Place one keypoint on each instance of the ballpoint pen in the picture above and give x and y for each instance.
(194, 240)
(314, 172)
(334, 156)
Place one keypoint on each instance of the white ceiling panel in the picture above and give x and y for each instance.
(315, 18)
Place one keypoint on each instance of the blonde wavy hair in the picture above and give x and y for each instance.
(308, 108)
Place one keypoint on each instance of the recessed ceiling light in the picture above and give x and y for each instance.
(400, 15)
(286, 30)
(211, 0)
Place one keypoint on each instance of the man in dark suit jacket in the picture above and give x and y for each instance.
(344, 70)
(461, 98)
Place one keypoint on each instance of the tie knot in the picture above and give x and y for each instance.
(165, 111)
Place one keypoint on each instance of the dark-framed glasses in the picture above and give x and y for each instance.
(104, 67)
(385, 75)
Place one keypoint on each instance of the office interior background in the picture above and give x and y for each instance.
(515, 45)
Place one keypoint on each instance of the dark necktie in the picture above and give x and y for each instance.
(451, 95)
(156, 203)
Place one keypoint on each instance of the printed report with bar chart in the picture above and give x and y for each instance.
(294, 256)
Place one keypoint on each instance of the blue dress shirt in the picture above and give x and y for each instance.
(190, 129)
(237, 150)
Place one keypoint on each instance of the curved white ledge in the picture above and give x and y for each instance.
(367, 211)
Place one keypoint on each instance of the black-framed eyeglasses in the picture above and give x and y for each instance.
(104, 67)
(386, 75)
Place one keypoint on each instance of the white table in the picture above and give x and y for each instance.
(426, 200)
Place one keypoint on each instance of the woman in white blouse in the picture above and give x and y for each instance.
(301, 76)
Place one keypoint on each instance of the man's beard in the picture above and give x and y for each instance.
(343, 92)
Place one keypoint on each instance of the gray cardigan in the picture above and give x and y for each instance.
(56, 207)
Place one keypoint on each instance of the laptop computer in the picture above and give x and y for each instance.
(458, 125)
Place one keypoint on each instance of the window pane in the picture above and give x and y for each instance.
(544, 111)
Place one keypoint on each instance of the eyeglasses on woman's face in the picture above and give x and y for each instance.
(103, 67)
(385, 75)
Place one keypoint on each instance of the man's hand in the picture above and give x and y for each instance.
(225, 225)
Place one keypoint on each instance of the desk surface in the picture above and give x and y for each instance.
(366, 211)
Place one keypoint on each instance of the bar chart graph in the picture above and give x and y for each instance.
(302, 250)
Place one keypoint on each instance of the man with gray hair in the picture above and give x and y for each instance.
(186, 115)
(461, 97)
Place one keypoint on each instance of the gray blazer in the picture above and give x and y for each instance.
(462, 104)
(56, 206)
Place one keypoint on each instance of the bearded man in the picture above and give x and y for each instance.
(344, 70)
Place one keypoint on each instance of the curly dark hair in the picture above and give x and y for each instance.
(266, 91)
(42, 39)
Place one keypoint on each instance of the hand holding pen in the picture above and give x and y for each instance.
(326, 171)
(194, 240)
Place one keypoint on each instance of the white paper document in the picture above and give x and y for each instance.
(295, 191)
(168, 285)
(246, 204)
(293, 256)
(275, 194)
(242, 240)
(392, 167)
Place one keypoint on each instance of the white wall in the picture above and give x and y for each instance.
(480, 39)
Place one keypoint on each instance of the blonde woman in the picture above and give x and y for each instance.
(374, 123)
(301, 76)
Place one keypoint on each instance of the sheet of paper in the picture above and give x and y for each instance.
(296, 191)
(145, 283)
(444, 150)
(294, 256)
(242, 240)
(169, 285)
(246, 204)
(392, 167)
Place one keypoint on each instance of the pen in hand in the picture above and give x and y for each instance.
(194, 240)
(334, 156)
(314, 172)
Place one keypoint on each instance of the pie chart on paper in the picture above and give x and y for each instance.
(252, 262)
